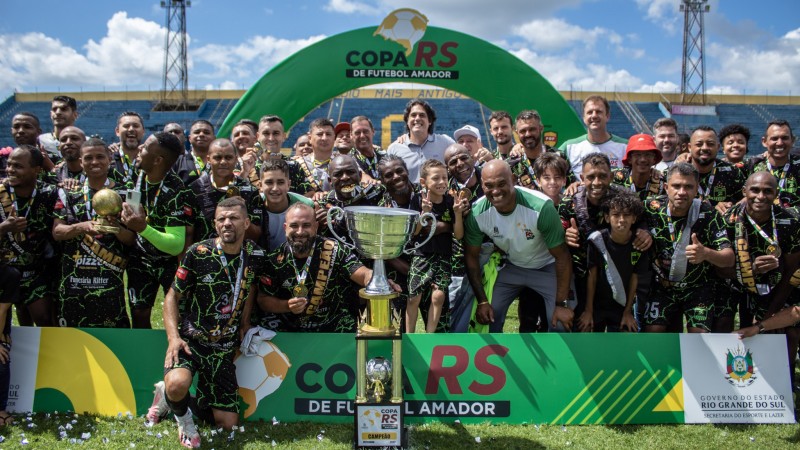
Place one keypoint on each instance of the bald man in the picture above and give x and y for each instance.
(524, 225)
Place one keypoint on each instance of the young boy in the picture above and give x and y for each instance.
(614, 268)
(431, 265)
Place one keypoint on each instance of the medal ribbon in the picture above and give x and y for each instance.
(235, 285)
(147, 207)
(782, 177)
(26, 206)
(303, 274)
(707, 191)
(125, 164)
(87, 198)
(774, 240)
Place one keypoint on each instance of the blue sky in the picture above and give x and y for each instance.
(624, 45)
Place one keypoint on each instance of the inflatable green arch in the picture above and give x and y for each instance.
(441, 57)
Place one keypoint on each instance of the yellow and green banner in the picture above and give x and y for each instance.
(510, 378)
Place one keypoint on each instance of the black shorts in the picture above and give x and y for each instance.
(216, 376)
(144, 278)
(695, 303)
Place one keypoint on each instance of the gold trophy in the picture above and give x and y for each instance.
(379, 233)
(106, 203)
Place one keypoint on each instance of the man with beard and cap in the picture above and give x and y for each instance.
(190, 165)
(346, 190)
(766, 240)
(500, 126)
(343, 141)
(525, 226)
(638, 175)
(91, 289)
(420, 143)
(721, 183)
(162, 218)
(26, 221)
(665, 135)
(220, 183)
(130, 131)
(689, 241)
(582, 214)
(310, 280)
(206, 313)
(470, 137)
(63, 113)
(367, 154)
(529, 128)
(778, 140)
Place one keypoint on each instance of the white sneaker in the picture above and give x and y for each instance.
(187, 431)
(159, 409)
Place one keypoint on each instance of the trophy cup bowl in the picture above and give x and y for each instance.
(380, 233)
(106, 203)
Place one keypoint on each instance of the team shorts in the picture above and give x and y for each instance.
(144, 278)
(428, 270)
(696, 304)
(216, 376)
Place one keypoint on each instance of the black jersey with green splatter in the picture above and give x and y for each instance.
(167, 204)
(592, 221)
(206, 198)
(28, 248)
(210, 312)
(788, 177)
(332, 297)
(711, 232)
(788, 226)
(91, 290)
(622, 178)
(723, 183)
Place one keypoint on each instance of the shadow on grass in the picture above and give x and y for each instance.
(456, 435)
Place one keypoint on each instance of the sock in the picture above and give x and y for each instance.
(180, 407)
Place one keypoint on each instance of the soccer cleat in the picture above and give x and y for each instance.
(159, 409)
(187, 431)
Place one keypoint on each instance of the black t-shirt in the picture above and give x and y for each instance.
(188, 168)
(627, 260)
(167, 204)
(442, 243)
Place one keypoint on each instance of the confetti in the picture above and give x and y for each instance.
(458, 421)
(752, 439)
(231, 436)
(275, 421)
(241, 429)
(132, 445)
(320, 437)
(2, 438)
(478, 439)
(158, 435)
(274, 443)
(62, 434)
(69, 426)
(564, 428)
(105, 440)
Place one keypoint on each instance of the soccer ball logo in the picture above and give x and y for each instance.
(260, 375)
(405, 26)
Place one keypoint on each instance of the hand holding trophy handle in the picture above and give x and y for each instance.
(425, 219)
(336, 213)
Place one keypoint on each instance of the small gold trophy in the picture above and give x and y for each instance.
(106, 203)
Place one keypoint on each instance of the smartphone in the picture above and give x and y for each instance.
(133, 198)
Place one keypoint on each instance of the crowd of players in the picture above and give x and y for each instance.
(653, 233)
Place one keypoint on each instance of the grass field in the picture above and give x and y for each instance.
(67, 430)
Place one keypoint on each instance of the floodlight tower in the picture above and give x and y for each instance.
(693, 73)
(175, 88)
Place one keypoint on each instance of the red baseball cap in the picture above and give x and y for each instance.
(641, 143)
(341, 126)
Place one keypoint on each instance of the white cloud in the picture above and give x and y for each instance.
(563, 73)
(250, 58)
(131, 51)
(723, 90)
(556, 34)
(660, 86)
(350, 7)
(775, 68)
(664, 13)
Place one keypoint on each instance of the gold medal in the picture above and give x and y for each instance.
(232, 191)
(464, 193)
(774, 250)
(300, 291)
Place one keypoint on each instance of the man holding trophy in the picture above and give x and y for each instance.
(95, 247)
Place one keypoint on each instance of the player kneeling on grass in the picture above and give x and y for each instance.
(215, 284)
(614, 268)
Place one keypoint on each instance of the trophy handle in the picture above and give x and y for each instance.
(424, 220)
(335, 213)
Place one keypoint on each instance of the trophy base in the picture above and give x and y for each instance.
(105, 229)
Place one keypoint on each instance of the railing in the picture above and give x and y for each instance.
(633, 114)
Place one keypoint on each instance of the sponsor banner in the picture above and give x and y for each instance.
(727, 380)
(509, 378)
(694, 110)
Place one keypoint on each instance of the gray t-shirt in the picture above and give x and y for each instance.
(415, 155)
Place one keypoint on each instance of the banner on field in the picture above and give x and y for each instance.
(510, 378)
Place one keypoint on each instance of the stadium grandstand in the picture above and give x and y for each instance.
(631, 113)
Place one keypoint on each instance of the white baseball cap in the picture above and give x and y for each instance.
(467, 129)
